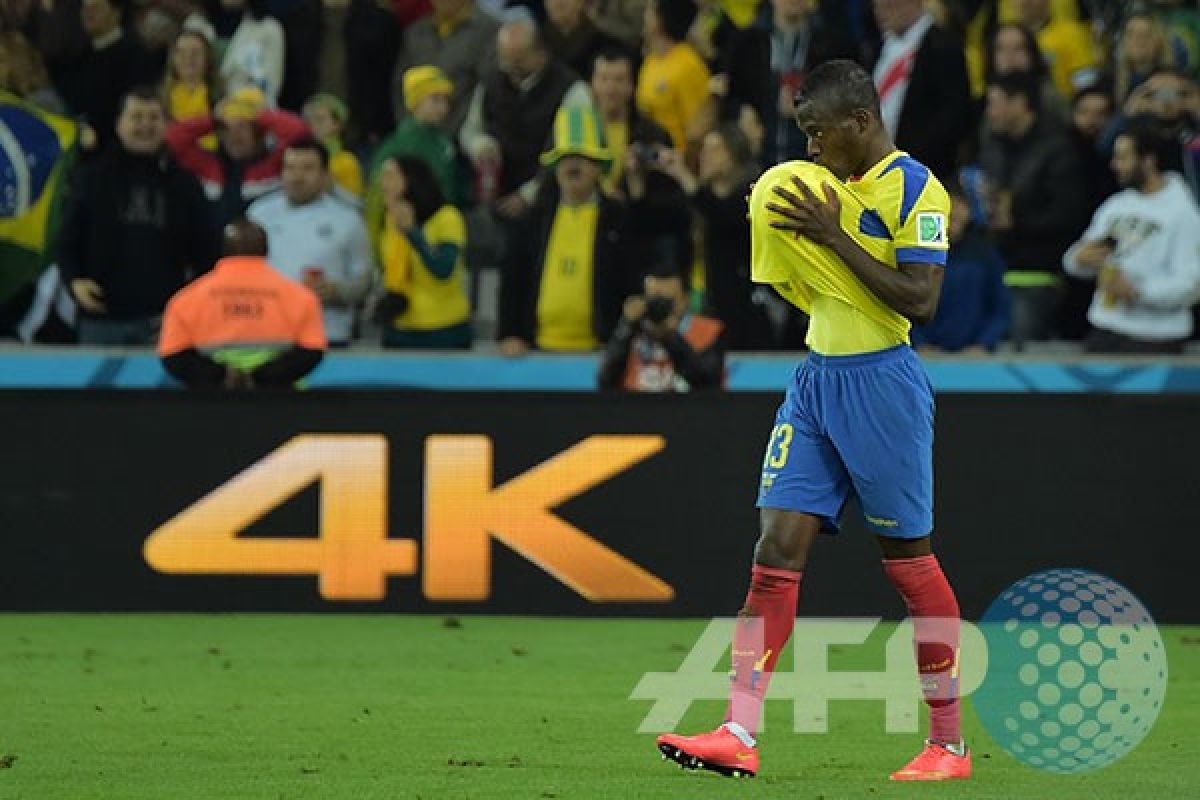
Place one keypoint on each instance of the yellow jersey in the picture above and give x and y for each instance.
(672, 88)
(565, 296)
(433, 303)
(898, 213)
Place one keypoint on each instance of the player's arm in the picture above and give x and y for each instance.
(911, 289)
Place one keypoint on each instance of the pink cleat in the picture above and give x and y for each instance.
(937, 762)
(719, 751)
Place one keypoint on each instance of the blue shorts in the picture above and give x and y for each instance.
(857, 425)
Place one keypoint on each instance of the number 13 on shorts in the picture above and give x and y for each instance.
(777, 446)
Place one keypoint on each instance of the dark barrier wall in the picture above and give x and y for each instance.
(652, 499)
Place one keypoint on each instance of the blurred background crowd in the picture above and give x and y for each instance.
(570, 175)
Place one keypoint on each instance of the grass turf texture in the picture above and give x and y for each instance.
(279, 706)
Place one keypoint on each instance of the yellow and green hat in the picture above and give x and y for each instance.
(421, 82)
(578, 132)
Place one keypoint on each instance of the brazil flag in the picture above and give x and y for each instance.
(36, 151)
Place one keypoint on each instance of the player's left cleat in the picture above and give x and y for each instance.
(719, 751)
(937, 762)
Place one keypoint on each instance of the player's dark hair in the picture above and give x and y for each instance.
(839, 87)
(311, 145)
(1150, 139)
(1020, 84)
(420, 187)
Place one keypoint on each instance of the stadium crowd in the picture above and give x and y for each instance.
(441, 173)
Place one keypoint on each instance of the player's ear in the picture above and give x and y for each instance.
(862, 120)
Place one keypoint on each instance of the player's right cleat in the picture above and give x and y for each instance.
(719, 751)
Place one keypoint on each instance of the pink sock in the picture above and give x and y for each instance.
(934, 611)
(763, 628)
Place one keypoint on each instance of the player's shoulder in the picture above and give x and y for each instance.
(913, 184)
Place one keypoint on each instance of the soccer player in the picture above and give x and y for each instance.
(862, 259)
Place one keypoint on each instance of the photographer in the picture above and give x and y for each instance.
(658, 346)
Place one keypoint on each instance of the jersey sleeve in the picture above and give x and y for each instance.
(768, 261)
(922, 236)
(447, 227)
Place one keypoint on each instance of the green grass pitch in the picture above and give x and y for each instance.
(279, 706)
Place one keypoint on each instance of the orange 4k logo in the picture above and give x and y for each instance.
(352, 555)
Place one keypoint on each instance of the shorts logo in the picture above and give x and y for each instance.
(881, 522)
(931, 228)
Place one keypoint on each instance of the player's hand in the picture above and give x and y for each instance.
(635, 308)
(89, 295)
(804, 214)
(1094, 254)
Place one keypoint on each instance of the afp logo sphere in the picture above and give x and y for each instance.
(1077, 671)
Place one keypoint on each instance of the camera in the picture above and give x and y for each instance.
(658, 308)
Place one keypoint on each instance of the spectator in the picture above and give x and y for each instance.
(137, 229)
(1091, 111)
(739, 58)
(1181, 18)
(572, 37)
(23, 73)
(624, 128)
(422, 249)
(243, 325)
(659, 347)
(659, 222)
(316, 238)
(1142, 244)
(246, 164)
(255, 55)
(56, 31)
(460, 40)
(302, 56)
(563, 278)
(372, 38)
(1066, 44)
(421, 133)
(921, 76)
(332, 73)
(190, 85)
(973, 313)
(1142, 50)
(1014, 48)
(718, 195)
(622, 19)
(802, 36)
(114, 63)
(672, 86)
(1037, 208)
(1173, 100)
(513, 110)
(327, 116)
